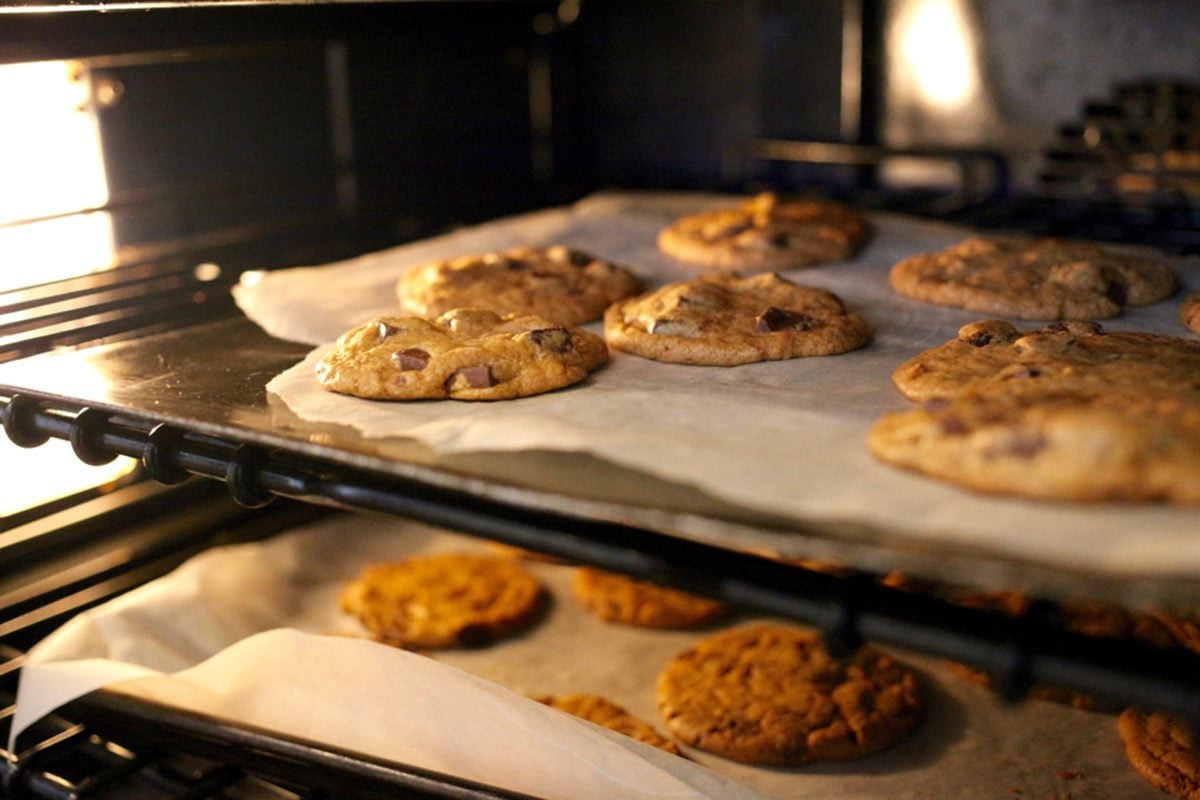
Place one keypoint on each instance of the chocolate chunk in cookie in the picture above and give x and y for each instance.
(1033, 278)
(724, 319)
(603, 711)
(619, 598)
(441, 601)
(774, 694)
(766, 232)
(558, 283)
(1163, 751)
(467, 354)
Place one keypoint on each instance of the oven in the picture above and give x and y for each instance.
(156, 155)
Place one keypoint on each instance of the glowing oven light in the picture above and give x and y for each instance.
(935, 41)
(51, 170)
(51, 175)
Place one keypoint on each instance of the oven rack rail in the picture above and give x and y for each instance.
(1018, 652)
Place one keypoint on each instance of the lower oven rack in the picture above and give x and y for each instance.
(850, 607)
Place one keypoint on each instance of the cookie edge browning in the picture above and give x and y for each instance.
(798, 749)
(1134, 728)
(615, 717)
(617, 598)
(1189, 312)
(496, 625)
(672, 242)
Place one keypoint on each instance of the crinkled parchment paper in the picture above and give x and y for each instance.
(252, 633)
(783, 438)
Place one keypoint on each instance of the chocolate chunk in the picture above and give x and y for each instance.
(384, 330)
(780, 240)
(776, 319)
(410, 360)
(1116, 292)
(556, 339)
(980, 339)
(672, 327)
(951, 424)
(476, 377)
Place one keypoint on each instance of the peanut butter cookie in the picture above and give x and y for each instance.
(466, 354)
(724, 319)
(558, 283)
(1189, 313)
(603, 711)
(766, 232)
(773, 694)
(1162, 751)
(619, 598)
(443, 601)
(1033, 278)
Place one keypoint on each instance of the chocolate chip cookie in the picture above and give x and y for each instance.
(766, 232)
(723, 319)
(1189, 313)
(557, 283)
(619, 598)
(774, 694)
(1033, 278)
(466, 354)
(603, 711)
(442, 601)
(1163, 751)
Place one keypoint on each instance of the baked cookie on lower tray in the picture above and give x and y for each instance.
(1189, 313)
(1105, 446)
(465, 354)
(445, 600)
(1031, 278)
(766, 232)
(1077, 356)
(558, 283)
(603, 711)
(724, 319)
(775, 695)
(619, 598)
(1163, 751)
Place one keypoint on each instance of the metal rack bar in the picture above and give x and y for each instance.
(1019, 652)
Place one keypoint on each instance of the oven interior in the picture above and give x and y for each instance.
(225, 138)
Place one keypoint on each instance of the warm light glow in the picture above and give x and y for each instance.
(935, 41)
(41, 474)
(51, 165)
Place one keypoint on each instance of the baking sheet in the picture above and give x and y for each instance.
(782, 438)
(252, 633)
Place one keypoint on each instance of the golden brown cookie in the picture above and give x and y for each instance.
(1117, 446)
(442, 601)
(1033, 278)
(724, 320)
(619, 598)
(1075, 356)
(603, 711)
(1162, 751)
(766, 232)
(773, 694)
(557, 283)
(466, 354)
(1189, 313)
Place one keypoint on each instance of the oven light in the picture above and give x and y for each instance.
(43, 474)
(935, 41)
(54, 181)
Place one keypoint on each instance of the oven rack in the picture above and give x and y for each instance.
(850, 607)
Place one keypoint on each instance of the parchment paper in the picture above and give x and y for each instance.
(252, 633)
(782, 438)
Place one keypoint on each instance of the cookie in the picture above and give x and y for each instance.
(604, 712)
(1162, 751)
(724, 319)
(1031, 278)
(1074, 356)
(443, 601)
(1189, 313)
(466, 354)
(775, 695)
(766, 232)
(1113, 447)
(619, 598)
(557, 283)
